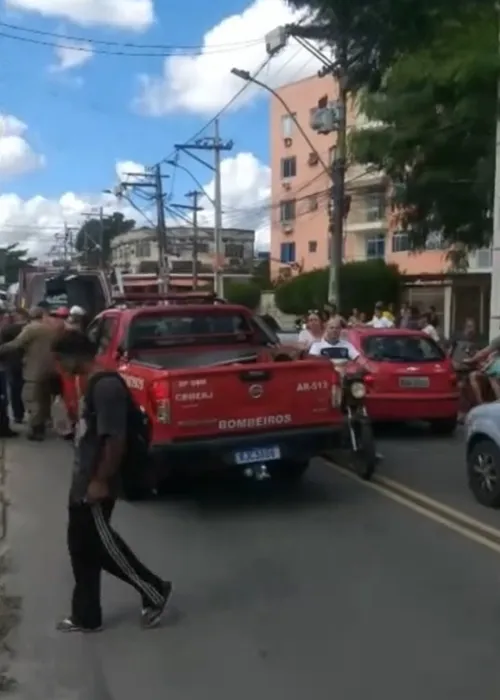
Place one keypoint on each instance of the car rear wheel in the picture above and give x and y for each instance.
(483, 473)
(444, 426)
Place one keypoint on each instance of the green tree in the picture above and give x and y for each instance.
(369, 35)
(362, 284)
(245, 293)
(12, 260)
(436, 111)
(95, 234)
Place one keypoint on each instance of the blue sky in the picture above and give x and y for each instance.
(85, 111)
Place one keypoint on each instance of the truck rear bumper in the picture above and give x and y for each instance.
(297, 445)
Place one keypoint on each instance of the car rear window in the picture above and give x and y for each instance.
(401, 348)
(155, 330)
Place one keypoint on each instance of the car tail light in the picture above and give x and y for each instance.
(453, 379)
(368, 380)
(160, 394)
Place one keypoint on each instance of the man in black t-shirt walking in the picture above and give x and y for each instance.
(100, 449)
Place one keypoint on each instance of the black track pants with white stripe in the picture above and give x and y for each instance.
(95, 547)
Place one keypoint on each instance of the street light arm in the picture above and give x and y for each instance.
(245, 75)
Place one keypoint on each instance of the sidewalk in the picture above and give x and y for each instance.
(47, 665)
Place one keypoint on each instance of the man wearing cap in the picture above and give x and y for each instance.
(35, 342)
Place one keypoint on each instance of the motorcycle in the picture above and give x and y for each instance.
(360, 438)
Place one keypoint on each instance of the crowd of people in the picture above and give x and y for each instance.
(311, 327)
(28, 375)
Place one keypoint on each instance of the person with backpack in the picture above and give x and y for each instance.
(106, 437)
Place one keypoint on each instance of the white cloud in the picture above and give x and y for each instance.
(203, 84)
(136, 15)
(16, 155)
(246, 196)
(71, 54)
(34, 223)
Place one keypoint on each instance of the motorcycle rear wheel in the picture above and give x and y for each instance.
(365, 456)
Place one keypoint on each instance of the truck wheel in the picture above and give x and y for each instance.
(365, 457)
(483, 473)
(444, 426)
(134, 486)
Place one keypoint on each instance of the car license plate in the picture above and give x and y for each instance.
(257, 454)
(414, 382)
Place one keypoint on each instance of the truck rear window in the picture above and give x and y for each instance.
(401, 348)
(153, 331)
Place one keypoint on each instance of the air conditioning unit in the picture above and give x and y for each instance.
(313, 159)
(287, 227)
(286, 185)
(288, 142)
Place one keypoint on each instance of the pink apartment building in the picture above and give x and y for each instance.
(299, 214)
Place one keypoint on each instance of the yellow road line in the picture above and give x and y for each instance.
(464, 528)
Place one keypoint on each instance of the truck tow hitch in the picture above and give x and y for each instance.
(258, 472)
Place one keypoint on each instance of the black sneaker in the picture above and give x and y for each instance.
(151, 615)
(67, 625)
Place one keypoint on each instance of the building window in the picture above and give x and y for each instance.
(313, 246)
(143, 249)
(234, 250)
(484, 258)
(287, 210)
(400, 242)
(288, 167)
(374, 206)
(287, 124)
(375, 247)
(312, 202)
(287, 254)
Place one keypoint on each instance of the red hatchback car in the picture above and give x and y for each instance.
(410, 378)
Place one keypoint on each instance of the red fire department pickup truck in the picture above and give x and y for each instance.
(217, 390)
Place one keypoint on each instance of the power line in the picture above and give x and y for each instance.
(130, 45)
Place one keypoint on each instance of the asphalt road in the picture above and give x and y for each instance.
(330, 590)
(432, 466)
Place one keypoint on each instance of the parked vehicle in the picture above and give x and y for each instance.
(219, 391)
(410, 377)
(482, 440)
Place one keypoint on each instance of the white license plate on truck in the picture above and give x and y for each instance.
(258, 454)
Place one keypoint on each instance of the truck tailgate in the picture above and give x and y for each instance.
(263, 397)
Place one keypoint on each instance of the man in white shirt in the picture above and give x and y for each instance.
(332, 345)
(379, 320)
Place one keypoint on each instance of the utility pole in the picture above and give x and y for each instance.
(99, 243)
(327, 118)
(153, 180)
(194, 195)
(161, 230)
(217, 145)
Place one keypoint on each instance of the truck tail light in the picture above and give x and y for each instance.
(336, 394)
(160, 394)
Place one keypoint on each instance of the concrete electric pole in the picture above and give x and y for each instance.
(217, 145)
(327, 118)
(194, 208)
(153, 180)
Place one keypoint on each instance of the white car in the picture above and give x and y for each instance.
(482, 436)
